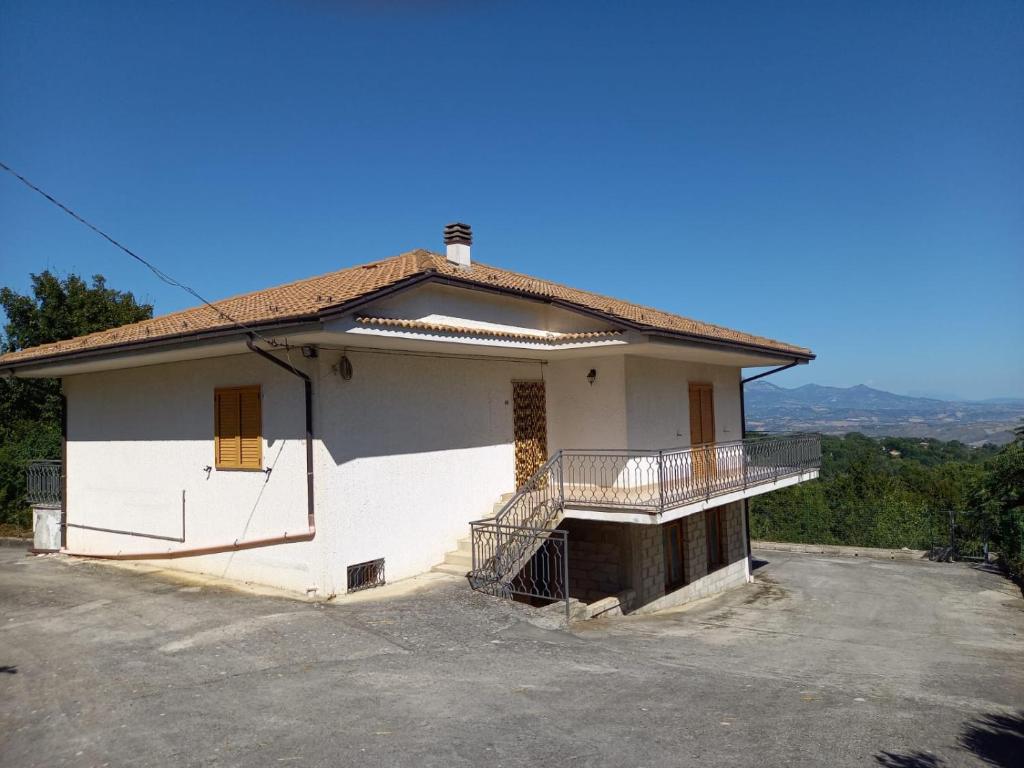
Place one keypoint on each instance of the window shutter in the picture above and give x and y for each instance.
(238, 441)
(696, 433)
(251, 441)
(228, 448)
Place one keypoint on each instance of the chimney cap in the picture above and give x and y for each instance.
(458, 233)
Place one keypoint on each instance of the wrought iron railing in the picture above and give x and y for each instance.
(655, 481)
(520, 561)
(44, 482)
(651, 481)
(502, 546)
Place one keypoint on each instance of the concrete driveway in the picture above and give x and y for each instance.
(824, 661)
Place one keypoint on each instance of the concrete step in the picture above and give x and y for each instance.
(460, 559)
(501, 503)
(463, 545)
(454, 570)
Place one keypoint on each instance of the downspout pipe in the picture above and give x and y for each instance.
(236, 545)
(743, 431)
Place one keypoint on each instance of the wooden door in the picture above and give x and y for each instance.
(530, 428)
(702, 431)
(715, 532)
(675, 565)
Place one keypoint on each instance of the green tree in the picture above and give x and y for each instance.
(999, 497)
(30, 409)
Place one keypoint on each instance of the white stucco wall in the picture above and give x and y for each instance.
(408, 451)
(138, 437)
(415, 447)
(584, 415)
(657, 401)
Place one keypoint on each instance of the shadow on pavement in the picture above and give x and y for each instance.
(996, 739)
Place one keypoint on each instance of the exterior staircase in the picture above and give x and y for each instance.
(459, 561)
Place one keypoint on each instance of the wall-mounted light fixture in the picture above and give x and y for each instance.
(592, 376)
(345, 368)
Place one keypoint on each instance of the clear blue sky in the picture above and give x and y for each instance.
(848, 176)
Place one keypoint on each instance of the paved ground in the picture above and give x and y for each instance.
(825, 661)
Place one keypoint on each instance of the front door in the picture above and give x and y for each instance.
(530, 428)
(702, 430)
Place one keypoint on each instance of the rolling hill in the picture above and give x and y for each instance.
(838, 410)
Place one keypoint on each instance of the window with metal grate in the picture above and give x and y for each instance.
(366, 575)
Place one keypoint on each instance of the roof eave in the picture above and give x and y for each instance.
(804, 355)
(292, 324)
(296, 323)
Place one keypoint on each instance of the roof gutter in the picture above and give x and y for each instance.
(236, 545)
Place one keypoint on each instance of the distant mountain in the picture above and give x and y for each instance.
(838, 410)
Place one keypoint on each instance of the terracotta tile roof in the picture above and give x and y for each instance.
(307, 299)
(549, 338)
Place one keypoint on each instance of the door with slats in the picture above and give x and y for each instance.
(530, 428)
(702, 431)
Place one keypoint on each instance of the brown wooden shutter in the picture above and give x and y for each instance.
(702, 414)
(250, 428)
(238, 441)
(696, 433)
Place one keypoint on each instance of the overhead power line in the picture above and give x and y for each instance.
(152, 268)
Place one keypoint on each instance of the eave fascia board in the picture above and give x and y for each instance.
(162, 344)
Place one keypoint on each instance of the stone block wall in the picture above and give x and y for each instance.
(599, 559)
(735, 536)
(610, 559)
(695, 547)
(649, 562)
(732, 575)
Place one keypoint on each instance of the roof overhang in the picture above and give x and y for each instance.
(306, 329)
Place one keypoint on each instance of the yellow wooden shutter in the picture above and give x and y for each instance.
(238, 441)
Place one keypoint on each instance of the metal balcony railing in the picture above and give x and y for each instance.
(44, 482)
(656, 481)
(650, 481)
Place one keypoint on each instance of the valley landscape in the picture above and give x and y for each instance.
(874, 412)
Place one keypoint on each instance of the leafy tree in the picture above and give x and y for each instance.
(999, 497)
(30, 409)
(889, 492)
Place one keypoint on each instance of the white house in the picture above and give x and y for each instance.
(325, 434)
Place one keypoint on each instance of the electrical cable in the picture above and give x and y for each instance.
(154, 269)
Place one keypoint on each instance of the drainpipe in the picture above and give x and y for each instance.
(743, 433)
(236, 545)
(63, 467)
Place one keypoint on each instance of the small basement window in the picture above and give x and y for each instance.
(366, 575)
(237, 428)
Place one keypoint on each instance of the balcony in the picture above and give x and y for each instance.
(646, 487)
(653, 483)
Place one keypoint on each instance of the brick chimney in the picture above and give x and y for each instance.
(457, 238)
